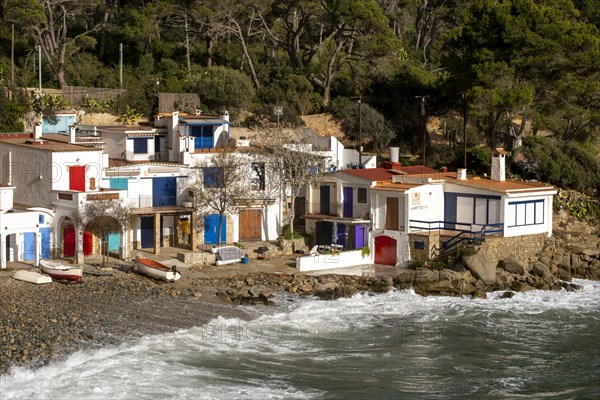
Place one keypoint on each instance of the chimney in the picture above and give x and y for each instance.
(499, 165)
(37, 131)
(226, 116)
(198, 111)
(394, 154)
(72, 132)
(461, 174)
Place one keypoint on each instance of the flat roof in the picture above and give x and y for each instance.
(48, 145)
(133, 130)
(395, 186)
(509, 186)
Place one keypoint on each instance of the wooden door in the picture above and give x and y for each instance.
(385, 250)
(391, 216)
(250, 225)
(69, 241)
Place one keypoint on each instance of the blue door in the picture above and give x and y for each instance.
(450, 210)
(341, 235)
(147, 232)
(348, 202)
(359, 237)
(45, 242)
(28, 246)
(164, 192)
(203, 136)
(114, 241)
(211, 225)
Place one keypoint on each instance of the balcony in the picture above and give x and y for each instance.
(75, 199)
(151, 156)
(358, 212)
(146, 203)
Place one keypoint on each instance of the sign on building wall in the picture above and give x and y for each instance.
(416, 199)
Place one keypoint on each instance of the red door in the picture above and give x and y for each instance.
(77, 178)
(385, 250)
(87, 243)
(69, 241)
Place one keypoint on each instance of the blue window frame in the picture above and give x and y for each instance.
(213, 177)
(140, 146)
(41, 219)
(525, 213)
(419, 245)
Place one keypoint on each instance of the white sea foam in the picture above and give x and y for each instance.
(232, 358)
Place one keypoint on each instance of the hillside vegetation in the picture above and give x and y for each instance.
(514, 68)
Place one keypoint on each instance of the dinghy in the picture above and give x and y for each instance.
(229, 255)
(32, 277)
(61, 271)
(156, 270)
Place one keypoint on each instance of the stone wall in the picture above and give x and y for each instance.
(431, 246)
(523, 248)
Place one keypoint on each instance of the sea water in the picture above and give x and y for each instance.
(396, 345)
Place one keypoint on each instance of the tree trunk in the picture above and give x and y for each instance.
(187, 43)
(219, 230)
(240, 35)
(209, 50)
(329, 74)
(291, 211)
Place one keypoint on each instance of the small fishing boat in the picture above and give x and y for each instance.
(61, 271)
(228, 255)
(156, 270)
(32, 277)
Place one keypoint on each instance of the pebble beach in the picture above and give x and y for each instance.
(42, 322)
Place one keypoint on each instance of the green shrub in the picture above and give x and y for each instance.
(365, 251)
(571, 166)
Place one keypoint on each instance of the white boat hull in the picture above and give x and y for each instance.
(32, 277)
(61, 271)
(157, 273)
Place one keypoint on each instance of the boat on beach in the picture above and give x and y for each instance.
(228, 255)
(156, 270)
(61, 271)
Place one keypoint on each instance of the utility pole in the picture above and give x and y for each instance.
(424, 132)
(39, 49)
(359, 132)
(464, 96)
(12, 56)
(121, 65)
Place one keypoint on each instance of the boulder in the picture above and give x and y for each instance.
(481, 267)
(407, 276)
(254, 291)
(513, 265)
(479, 294)
(540, 269)
(507, 295)
(521, 287)
(564, 273)
(224, 296)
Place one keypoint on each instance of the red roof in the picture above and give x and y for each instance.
(371, 174)
(384, 174)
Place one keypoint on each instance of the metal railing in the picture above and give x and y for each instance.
(474, 233)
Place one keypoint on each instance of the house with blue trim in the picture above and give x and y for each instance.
(426, 216)
(416, 213)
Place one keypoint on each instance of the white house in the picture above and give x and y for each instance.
(341, 202)
(24, 232)
(420, 217)
(55, 175)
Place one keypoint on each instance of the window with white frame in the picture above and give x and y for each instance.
(524, 213)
